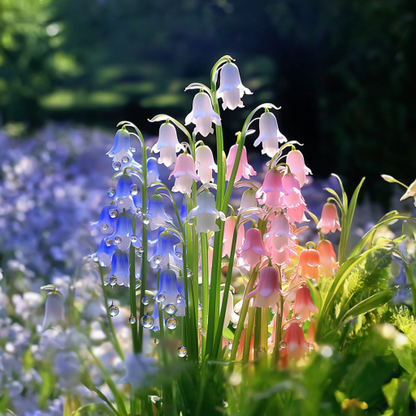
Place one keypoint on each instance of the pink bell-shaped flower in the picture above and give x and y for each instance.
(304, 305)
(329, 265)
(184, 173)
(309, 262)
(270, 134)
(167, 144)
(231, 89)
(202, 115)
(267, 291)
(244, 169)
(204, 162)
(271, 192)
(297, 213)
(296, 345)
(229, 228)
(205, 213)
(293, 196)
(253, 248)
(296, 163)
(329, 219)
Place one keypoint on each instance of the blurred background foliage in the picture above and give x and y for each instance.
(342, 70)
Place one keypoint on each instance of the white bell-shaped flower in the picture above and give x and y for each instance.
(270, 134)
(231, 88)
(54, 310)
(202, 115)
(205, 213)
(204, 163)
(167, 144)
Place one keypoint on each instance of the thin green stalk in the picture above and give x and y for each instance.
(133, 305)
(248, 334)
(411, 279)
(278, 336)
(257, 333)
(205, 287)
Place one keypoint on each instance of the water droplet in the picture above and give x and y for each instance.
(408, 289)
(397, 286)
(225, 404)
(179, 298)
(282, 344)
(300, 324)
(139, 211)
(200, 321)
(121, 201)
(262, 350)
(182, 351)
(108, 243)
(158, 259)
(160, 298)
(132, 319)
(179, 256)
(200, 306)
(117, 239)
(147, 321)
(94, 257)
(170, 309)
(145, 300)
(133, 238)
(189, 272)
(113, 213)
(116, 166)
(235, 326)
(113, 310)
(146, 220)
(139, 252)
(138, 283)
(111, 154)
(156, 341)
(311, 345)
(171, 323)
(111, 191)
(134, 190)
(284, 279)
(125, 160)
(298, 316)
(230, 345)
(104, 227)
(191, 221)
(113, 280)
(155, 328)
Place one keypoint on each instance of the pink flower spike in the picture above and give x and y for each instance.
(270, 135)
(267, 291)
(296, 343)
(184, 173)
(271, 192)
(229, 228)
(202, 115)
(253, 248)
(329, 219)
(296, 163)
(304, 305)
(204, 162)
(244, 169)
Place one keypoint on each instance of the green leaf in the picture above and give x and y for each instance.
(404, 356)
(94, 407)
(390, 391)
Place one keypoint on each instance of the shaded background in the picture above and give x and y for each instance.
(342, 70)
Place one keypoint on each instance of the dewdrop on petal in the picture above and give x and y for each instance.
(121, 151)
(54, 310)
(204, 162)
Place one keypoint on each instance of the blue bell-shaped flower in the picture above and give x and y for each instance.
(157, 214)
(165, 252)
(125, 189)
(104, 253)
(121, 151)
(120, 270)
(168, 289)
(152, 170)
(107, 219)
(123, 235)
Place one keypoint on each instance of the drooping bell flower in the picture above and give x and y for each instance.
(329, 219)
(297, 166)
(204, 162)
(205, 213)
(248, 200)
(267, 291)
(156, 213)
(296, 345)
(297, 213)
(231, 89)
(123, 235)
(271, 192)
(156, 321)
(167, 144)
(184, 174)
(253, 248)
(410, 192)
(123, 196)
(54, 310)
(202, 115)
(229, 228)
(106, 222)
(104, 253)
(120, 270)
(168, 290)
(244, 169)
(165, 252)
(329, 265)
(293, 196)
(153, 174)
(121, 151)
(309, 262)
(270, 135)
(304, 305)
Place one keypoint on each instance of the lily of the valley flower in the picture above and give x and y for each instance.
(54, 310)
(123, 235)
(293, 196)
(168, 288)
(271, 192)
(205, 213)
(270, 135)
(296, 345)
(157, 214)
(410, 193)
(184, 173)
(253, 248)
(231, 89)
(104, 253)
(204, 162)
(153, 174)
(329, 265)
(267, 291)
(229, 228)
(165, 252)
(304, 305)
(202, 115)
(123, 196)
(167, 144)
(244, 169)
(106, 221)
(297, 166)
(120, 270)
(121, 150)
(309, 262)
(329, 219)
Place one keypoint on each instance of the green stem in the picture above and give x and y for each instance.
(133, 305)
(248, 334)
(205, 287)
(412, 282)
